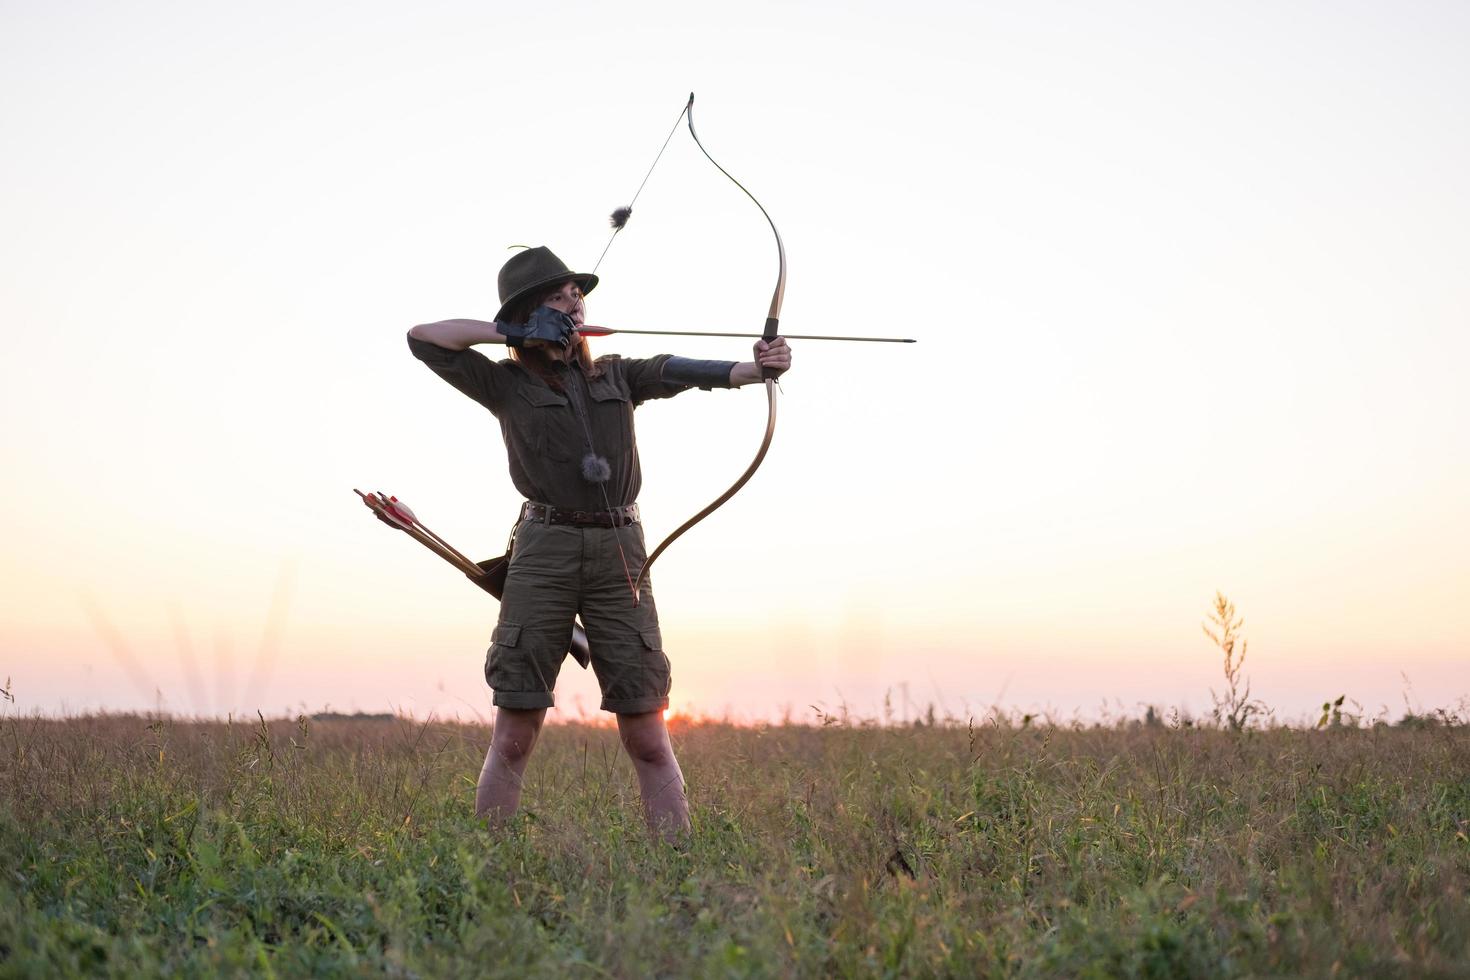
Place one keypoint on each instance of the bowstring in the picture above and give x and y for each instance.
(581, 412)
(617, 231)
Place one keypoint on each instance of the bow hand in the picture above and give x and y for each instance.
(772, 359)
(773, 356)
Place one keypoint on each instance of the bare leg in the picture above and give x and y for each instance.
(660, 782)
(499, 791)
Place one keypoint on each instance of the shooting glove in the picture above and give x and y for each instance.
(546, 324)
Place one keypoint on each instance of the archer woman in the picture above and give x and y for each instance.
(567, 422)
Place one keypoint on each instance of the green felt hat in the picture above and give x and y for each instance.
(533, 269)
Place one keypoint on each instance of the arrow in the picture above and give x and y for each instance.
(587, 330)
(398, 516)
(488, 575)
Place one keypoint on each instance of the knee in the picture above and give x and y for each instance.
(514, 743)
(649, 748)
(513, 750)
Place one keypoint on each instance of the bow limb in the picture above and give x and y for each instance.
(773, 318)
(768, 376)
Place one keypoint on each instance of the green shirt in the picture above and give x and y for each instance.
(548, 433)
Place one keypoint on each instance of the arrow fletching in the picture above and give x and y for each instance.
(400, 510)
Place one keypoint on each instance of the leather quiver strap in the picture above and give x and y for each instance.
(492, 574)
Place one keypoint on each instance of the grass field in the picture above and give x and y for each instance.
(136, 846)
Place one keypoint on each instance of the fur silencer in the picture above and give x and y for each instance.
(620, 218)
(595, 468)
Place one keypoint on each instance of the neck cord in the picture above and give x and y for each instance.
(579, 409)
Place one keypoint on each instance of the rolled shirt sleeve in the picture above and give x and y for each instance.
(468, 370)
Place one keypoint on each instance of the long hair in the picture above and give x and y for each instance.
(536, 359)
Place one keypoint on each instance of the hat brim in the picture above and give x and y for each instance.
(586, 280)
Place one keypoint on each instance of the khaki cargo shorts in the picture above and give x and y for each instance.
(558, 572)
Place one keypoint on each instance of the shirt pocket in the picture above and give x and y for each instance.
(543, 421)
(612, 414)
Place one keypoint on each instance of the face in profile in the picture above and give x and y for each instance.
(568, 299)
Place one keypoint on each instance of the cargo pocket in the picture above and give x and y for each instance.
(656, 664)
(502, 663)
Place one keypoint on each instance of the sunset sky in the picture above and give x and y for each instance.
(1189, 282)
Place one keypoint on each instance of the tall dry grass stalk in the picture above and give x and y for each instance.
(1234, 707)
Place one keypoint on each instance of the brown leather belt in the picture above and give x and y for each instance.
(546, 514)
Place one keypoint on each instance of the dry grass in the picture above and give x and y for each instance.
(135, 845)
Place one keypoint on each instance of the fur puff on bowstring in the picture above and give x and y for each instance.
(620, 218)
(595, 468)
